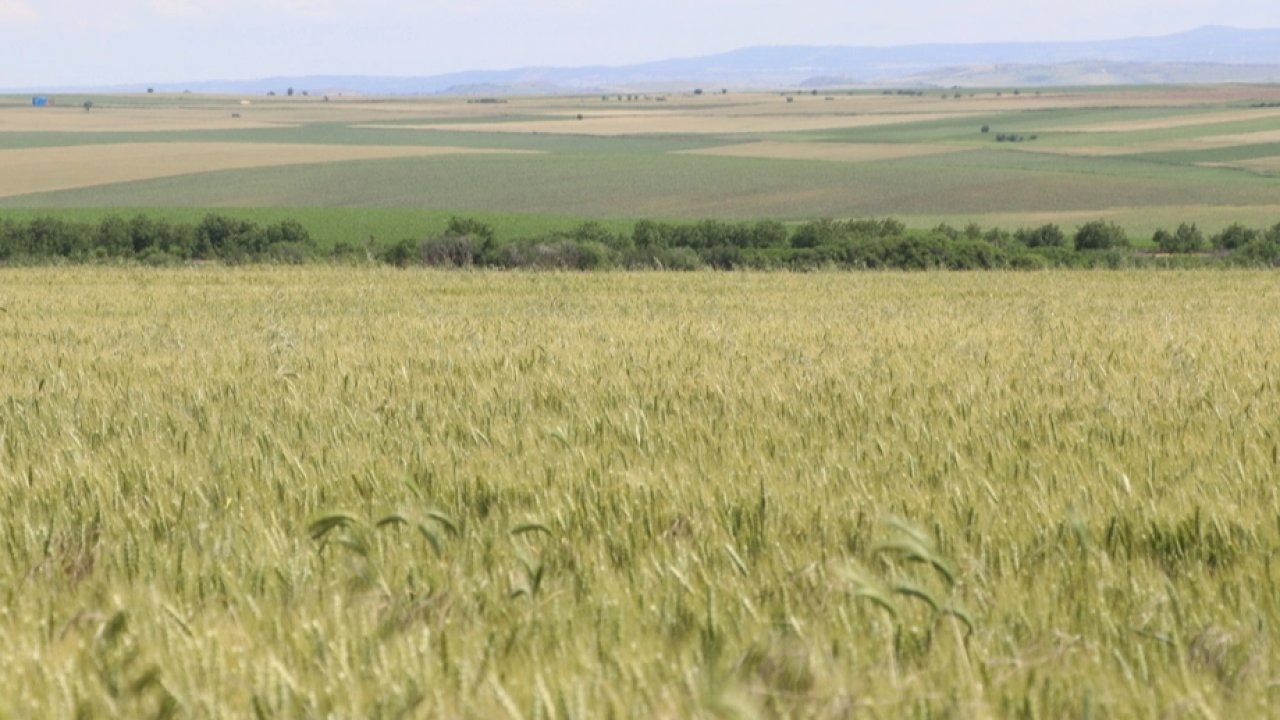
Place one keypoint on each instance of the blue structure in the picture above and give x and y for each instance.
(40, 101)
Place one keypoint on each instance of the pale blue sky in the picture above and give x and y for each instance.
(92, 42)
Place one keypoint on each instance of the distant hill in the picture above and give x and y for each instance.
(1078, 74)
(1209, 54)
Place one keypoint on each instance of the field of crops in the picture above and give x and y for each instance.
(1142, 157)
(378, 493)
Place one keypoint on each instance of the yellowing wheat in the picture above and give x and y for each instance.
(364, 492)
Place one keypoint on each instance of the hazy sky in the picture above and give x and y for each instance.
(92, 42)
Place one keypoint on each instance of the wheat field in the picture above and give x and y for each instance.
(351, 492)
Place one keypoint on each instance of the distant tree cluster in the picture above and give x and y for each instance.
(216, 237)
(848, 244)
(767, 244)
(1243, 244)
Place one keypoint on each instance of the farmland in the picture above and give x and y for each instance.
(376, 493)
(346, 489)
(1142, 157)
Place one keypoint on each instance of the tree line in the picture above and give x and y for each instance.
(765, 244)
(216, 237)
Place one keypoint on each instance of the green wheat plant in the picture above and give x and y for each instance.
(363, 492)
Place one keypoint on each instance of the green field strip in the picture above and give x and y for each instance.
(683, 186)
(1129, 169)
(343, 134)
(1139, 137)
(1227, 154)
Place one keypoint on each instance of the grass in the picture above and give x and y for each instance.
(363, 492)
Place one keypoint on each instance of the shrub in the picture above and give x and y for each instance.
(946, 231)
(469, 227)
(290, 232)
(230, 239)
(1234, 236)
(401, 254)
(113, 238)
(1100, 235)
(449, 251)
(1048, 235)
(648, 234)
(813, 234)
(1187, 239)
(771, 233)
(723, 257)
(975, 255)
(828, 232)
(999, 237)
(551, 254)
(594, 232)
(1260, 252)
(1028, 261)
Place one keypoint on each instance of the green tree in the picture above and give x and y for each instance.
(1048, 235)
(1100, 235)
(113, 237)
(469, 227)
(1187, 239)
(1234, 237)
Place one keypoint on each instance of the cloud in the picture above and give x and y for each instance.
(13, 11)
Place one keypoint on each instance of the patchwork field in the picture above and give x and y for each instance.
(1148, 157)
(378, 493)
(60, 168)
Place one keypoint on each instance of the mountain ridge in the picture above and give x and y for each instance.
(1213, 53)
